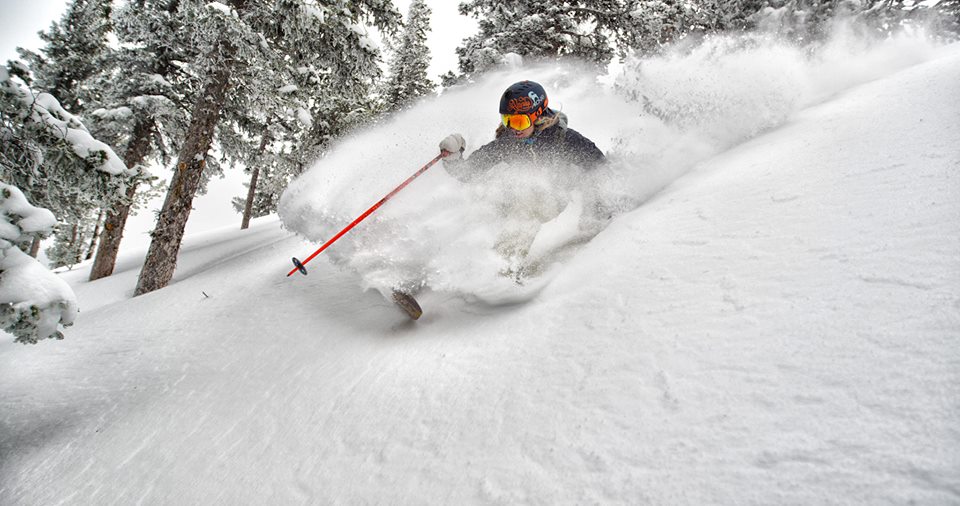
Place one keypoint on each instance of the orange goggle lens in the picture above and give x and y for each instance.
(518, 121)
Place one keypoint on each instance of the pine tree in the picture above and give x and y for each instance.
(941, 18)
(76, 49)
(145, 108)
(809, 21)
(78, 64)
(410, 60)
(255, 125)
(589, 30)
(50, 153)
(240, 41)
(300, 108)
(256, 162)
(948, 17)
(34, 303)
(269, 178)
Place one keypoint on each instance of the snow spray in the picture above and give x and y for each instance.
(656, 118)
(299, 266)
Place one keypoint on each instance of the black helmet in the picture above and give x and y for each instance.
(525, 97)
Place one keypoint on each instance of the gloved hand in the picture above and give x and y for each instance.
(454, 144)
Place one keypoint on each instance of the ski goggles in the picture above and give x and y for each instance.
(519, 121)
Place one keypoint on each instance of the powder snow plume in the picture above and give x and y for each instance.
(499, 238)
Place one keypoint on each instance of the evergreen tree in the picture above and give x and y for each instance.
(591, 30)
(255, 126)
(241, 41)
(269, 178)
(255, 162)
(49, 153)
(145, 108)
(805, 21)
(34, 303)
(942, 17)
(301, 108)
(68, 244)
(809, 21)
(713, 16)
(410, 60)
(76, 49)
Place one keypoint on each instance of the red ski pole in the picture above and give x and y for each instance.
(299, 266)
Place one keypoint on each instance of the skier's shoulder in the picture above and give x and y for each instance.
(561, 131)
(577, 139)
(577, 145)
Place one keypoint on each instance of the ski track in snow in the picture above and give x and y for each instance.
(778, 326)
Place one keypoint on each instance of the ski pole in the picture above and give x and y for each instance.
(299, 266)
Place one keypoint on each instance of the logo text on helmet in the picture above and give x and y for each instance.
(520, 105)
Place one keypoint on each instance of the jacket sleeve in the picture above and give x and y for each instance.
(481, 160)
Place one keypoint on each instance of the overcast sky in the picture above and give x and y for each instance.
(20, 20)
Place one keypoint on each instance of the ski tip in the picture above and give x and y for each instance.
(408, 304)
(299, 267)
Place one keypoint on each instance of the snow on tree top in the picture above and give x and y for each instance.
(363, 37)
(315, 12)
(159, 79)
(34, 301)
(217, 6)
(32, 219)
(45, 109)
(116, 113)
(304, 116)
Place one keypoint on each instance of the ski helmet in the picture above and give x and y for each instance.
(525, 97)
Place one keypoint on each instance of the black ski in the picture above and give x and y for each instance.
(408, 304)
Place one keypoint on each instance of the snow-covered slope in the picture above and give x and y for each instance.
(776, 327)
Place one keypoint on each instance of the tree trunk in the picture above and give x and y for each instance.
(248, 208)
(35, 247)
(252, 191)
(94, 237)
(73, 249)
(161, 259)
(137, 150)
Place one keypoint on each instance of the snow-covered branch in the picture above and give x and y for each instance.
(34, 302)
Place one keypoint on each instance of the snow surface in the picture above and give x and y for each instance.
(776, 326)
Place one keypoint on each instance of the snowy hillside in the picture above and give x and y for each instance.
(776, 326)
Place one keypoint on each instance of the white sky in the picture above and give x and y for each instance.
(448, 28)
(20, 20)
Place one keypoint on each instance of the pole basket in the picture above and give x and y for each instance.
(300, 267)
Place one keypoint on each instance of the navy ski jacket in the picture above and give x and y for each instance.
(557, 143)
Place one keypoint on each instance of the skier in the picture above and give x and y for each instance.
(529, 131)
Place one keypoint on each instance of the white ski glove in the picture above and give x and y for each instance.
(454, 144)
